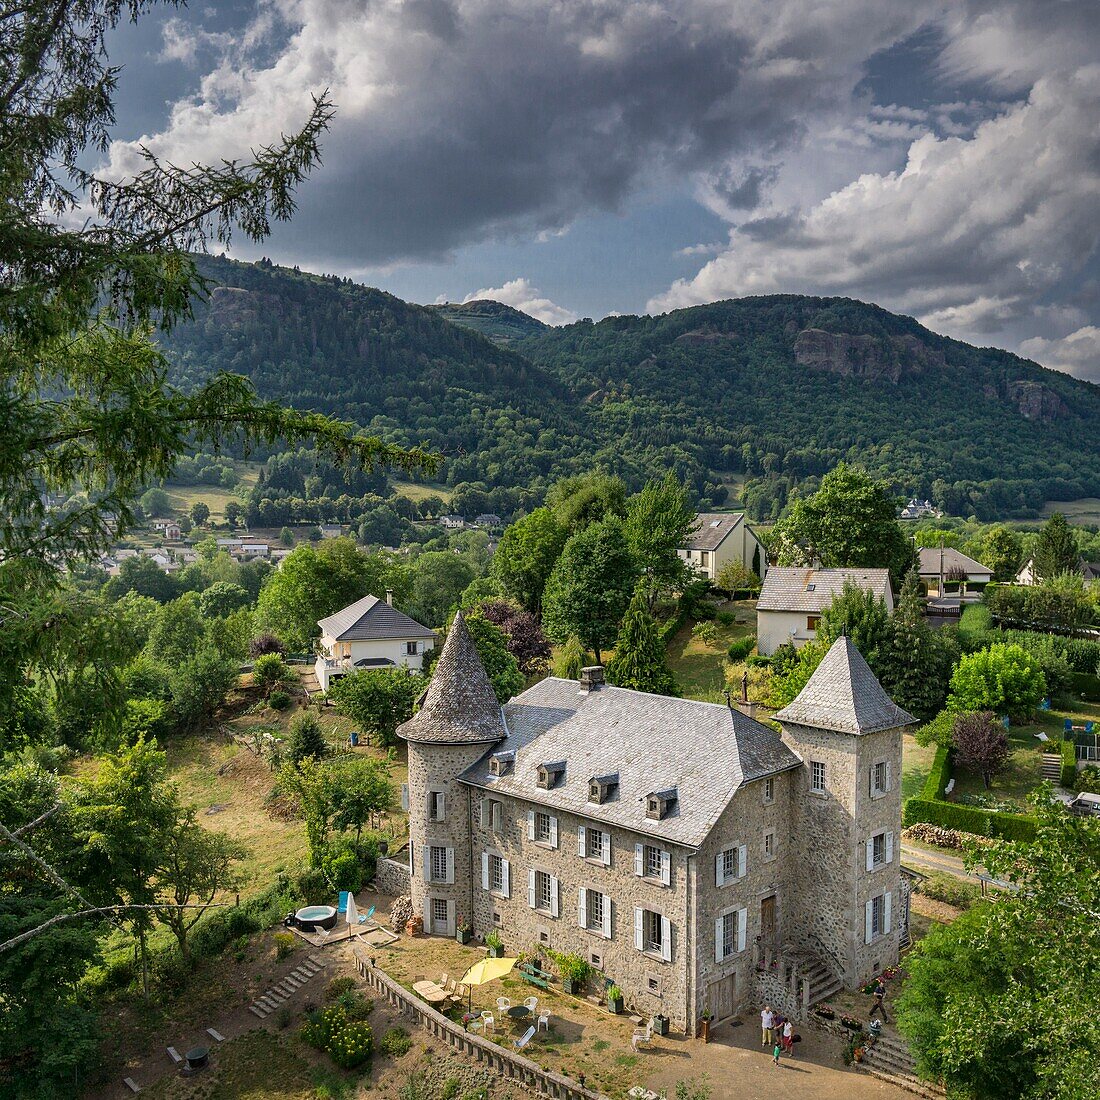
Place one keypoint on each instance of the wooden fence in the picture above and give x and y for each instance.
(506, 1063)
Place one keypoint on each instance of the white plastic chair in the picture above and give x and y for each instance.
(642, 1035)
(503, 1004)
(544, 1022)
(531, 1004)
(487, 1021)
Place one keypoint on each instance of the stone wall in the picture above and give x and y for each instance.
(650, 985)
(391, 877)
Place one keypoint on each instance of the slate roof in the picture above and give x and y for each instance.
(371, 619)
(789, 588)
(460, 706)
(843, 695)
(653, 742)
(711, 529)
(952, 559)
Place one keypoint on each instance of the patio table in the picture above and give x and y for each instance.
(519, 1012)
(431, 992)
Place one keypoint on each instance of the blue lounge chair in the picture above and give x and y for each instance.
(1089, 727)
(1068, 726)
(364, 917)
(1006, 723)
(343, 906)
(1045, 704)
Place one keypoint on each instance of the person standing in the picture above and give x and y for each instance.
(878, 991)
(776, 1051)
(767, 1023)
(788, 1037)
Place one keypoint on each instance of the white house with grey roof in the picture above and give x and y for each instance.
(696, 858)
(792, 599)
(719, 537)
(370, 633)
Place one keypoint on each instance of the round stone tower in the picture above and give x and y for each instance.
(460, 719)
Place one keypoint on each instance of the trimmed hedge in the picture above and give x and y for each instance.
(939, 775)
(1086, 685)
(1069, 764)
(969, 819)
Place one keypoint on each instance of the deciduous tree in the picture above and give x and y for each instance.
(1002, 679)
(527, 552)
(981, 744)
(659, 520)
(379, 700)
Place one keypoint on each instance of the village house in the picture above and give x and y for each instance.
(792, 599)
(370, 633)
(719, 537)
(1089, 570)
(488, 519)
(941, 566)
(172, 531)
(331, 530)
(452, 523)
(696, 858)
(919, 509)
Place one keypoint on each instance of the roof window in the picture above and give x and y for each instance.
(601, 787)
(550, 775)
(500, 763)
(660, 804)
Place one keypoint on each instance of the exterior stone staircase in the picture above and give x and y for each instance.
(792, 979)
(888, 1058)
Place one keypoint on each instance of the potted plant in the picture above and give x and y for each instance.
(465, 931)
(660, 1024)
(857, 1054)
(495, 945)
(614, 999)
(574, 972)
(704, 1025)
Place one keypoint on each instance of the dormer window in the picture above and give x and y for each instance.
(550, 775)
(500, 763)
(601, 787)
(659, 804)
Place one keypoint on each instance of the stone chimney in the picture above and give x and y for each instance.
(591, 678)
(389, 596)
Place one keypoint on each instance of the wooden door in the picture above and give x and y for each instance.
(767, 919)
(720, 997)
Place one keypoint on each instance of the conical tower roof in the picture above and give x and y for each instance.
(844, 695)
(460, 706)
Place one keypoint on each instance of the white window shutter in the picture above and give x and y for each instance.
(639, 915)
(428, 916)
(530, 824)
(554, 894)
(888, 786)
(719, 938)
(886, 914)
(410, 857)
(506, 876)
(580, 840)
(742, 928)
(869, 922)
(427, 863)
(582, 907)
(442, 806)
(450, 865)
(428, 798)
(606, 858)
(496, 815)
(666, 868)
(531, 888)
(889, 847)
(450, 918)
(405, 797)
(666, 939)
(553, 832)
(870, 853)
(719, 870)
(742, 861)
(639, 859)
(485, 870)
(606, 930)
(483, 813)
(871, 781)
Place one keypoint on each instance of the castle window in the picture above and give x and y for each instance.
(729, 933)
(730, 865)
(817, 777)
(491, 814)
(880, 850)
(658, 804)
(594, 910)
(495, 874)
(500, 763)
(769, 791)
(877, 917)
(653, 934)
(880, 779)
(439, 911)
(653, 863)
(769, 844)
(440, 864)
(596, 843)
(437, 806)
(543, 892)
(601, 787)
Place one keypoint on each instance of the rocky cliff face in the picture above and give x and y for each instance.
(858, 356)
(1032, 400)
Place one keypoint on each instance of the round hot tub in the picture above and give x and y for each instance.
(316, 916)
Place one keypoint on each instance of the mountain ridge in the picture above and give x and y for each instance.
(776, 388)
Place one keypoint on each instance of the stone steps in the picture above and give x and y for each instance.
(889, 1058)
(281, 992)
(1051, 768)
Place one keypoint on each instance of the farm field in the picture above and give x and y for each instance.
(1083, 511)
(214, 496)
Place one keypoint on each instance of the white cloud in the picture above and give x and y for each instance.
(182, 41)
(971, 234)
(1077, 354)
(521, 295)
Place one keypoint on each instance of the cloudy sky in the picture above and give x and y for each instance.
(580, 157)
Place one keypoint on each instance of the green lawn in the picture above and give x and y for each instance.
(418, 491)
(700, 669)
(916, 761)
(213, 496)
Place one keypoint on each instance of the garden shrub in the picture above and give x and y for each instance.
(1086, 685)
(950, 890)
(284, 945)
(741, 648)
(1087, 780)
(355, 1004)
(395, 1042)
(348, 1042)
(340, 985)
(975, 625)
(1069, 764)
(341, 866)
(1083, 655)
(939, 775)
(278, 700)
(969, 819)
(726, 618)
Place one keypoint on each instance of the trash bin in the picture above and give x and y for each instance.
(354, 738)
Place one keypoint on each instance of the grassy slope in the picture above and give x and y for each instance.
(213, 496)
(700, 669)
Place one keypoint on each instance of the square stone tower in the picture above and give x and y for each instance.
(846, 816)
(459, 720)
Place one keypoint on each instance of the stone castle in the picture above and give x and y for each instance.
(695, 857)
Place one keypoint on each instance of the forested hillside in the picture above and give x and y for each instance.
(777, 388)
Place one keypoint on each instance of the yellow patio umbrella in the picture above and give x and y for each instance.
(481, 973)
